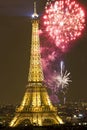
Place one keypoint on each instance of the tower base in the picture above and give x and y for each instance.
(36, 108)
(35, 119)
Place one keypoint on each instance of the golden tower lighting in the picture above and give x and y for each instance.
(36, 107)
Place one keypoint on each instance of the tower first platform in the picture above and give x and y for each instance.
(36, 107)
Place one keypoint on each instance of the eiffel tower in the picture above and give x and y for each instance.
(36, 107)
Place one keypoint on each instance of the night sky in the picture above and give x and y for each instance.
(15, 39)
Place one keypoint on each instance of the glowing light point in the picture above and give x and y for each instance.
(61, 23)
(35, 15)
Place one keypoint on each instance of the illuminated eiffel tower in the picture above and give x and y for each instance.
(36, 107)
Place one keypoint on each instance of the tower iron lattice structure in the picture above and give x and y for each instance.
(36, 107)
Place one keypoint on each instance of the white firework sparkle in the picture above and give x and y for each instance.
(63, 79)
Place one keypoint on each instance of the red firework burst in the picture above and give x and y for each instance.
(64, 21)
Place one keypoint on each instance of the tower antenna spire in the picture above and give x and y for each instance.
(35, 11)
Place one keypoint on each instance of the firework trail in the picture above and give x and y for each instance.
(63, 77)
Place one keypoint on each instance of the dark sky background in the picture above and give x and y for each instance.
(15, 38)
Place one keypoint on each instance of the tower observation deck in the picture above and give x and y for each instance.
(36, 107)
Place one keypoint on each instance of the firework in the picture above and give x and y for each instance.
(63, 78)
(63, 21)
